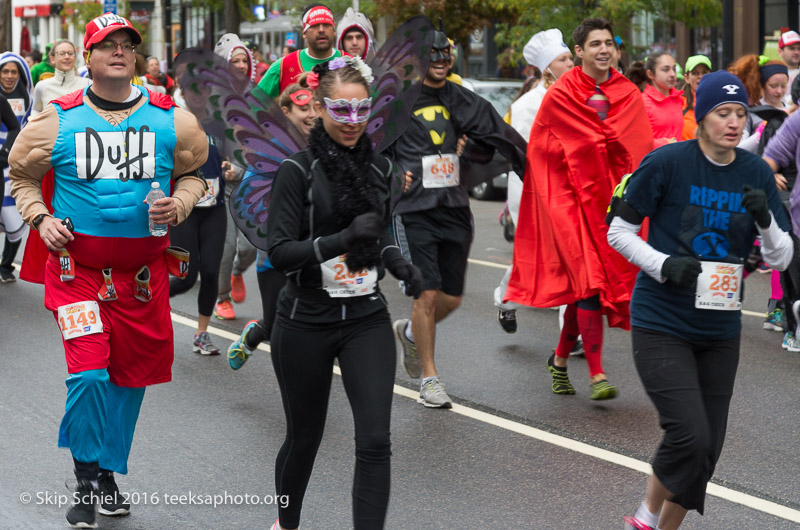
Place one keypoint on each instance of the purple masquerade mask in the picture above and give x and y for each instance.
(353, 111)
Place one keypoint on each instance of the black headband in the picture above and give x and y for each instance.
(768, 70)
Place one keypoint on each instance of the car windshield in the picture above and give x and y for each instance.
(499, 96)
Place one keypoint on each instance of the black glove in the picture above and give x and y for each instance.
(755, 201)
(363, 228)
(683, 271)
(409, 274)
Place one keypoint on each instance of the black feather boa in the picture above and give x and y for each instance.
(348, 170)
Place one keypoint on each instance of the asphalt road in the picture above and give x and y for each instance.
(511, 454)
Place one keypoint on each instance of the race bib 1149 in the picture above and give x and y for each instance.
(79, 319)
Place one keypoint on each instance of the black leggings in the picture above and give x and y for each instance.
(690, 384)
(270, 283)
(203, 235)
(302, 355)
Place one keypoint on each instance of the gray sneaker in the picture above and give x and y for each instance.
(202, 344)
(432, 394)
(410, 357)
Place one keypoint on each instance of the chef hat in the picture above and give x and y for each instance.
(544, 47)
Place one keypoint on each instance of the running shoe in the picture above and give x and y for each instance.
(774, 320)
(238, 290)
(238, 352)
(111, 501)
(7, 276)
(82, 512)
(410, 356)
(508, 320)
(790, 342)
(632, 523)
(276, 525)
(561, 384)
(577, 350)
(224, 310)
(603, 390)
(202, 344)
(432, 395)
(763, 268)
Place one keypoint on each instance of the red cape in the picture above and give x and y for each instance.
(574, 161)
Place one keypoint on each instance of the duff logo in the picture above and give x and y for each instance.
(115, 154)
(110, 19)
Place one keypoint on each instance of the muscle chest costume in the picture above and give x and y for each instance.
(114, 310)
(102, 174)
(574, 161)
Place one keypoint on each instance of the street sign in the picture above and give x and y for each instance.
(110, 6)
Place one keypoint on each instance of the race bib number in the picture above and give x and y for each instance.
(210, 198)
(719, 286)
(79, 319)
(17, 105)
(340, 282)
(440, 171)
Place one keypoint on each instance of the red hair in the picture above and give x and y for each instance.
(747, 69)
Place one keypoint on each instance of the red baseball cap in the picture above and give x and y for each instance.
(788, 38)
(104, 25)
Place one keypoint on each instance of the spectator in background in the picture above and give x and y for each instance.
(789, 50)
(156, 77)
(258, 60)
(238, 253)
(636, 75)
(662, 101)
(33, 58)
(355, 35)
(44, 68)
(616, 56)
(696, 67)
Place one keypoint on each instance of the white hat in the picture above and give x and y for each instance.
(788, 38)
(544, 47)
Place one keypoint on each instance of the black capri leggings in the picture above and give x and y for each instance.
(690, 384)
(203, 235)
(302, 355)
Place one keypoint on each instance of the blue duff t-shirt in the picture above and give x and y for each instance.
(695, 209)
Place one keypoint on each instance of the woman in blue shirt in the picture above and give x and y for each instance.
(706, 201)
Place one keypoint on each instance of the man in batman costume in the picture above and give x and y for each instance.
(432, 221)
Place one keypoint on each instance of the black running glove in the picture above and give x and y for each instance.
(363, 228)
(683, 271)
(755, 201)
(409, 274)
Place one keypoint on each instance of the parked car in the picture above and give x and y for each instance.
(500, 93)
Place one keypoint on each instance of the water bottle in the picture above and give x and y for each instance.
(155, 194)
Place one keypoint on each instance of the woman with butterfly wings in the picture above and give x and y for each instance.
(252, 131)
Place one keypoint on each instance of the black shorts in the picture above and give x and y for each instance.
(438, 242)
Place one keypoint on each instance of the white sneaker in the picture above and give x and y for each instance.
(432, 395)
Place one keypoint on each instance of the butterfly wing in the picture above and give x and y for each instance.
(398, 70)
(247, 127)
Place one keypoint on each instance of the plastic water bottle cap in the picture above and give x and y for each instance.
(155, 185)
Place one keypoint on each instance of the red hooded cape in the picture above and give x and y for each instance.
(574, 161)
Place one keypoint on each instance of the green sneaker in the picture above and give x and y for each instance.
(238, 352)
(774, 320)
(603, 390)
(561, 384)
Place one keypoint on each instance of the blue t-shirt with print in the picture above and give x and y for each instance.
(695, 209)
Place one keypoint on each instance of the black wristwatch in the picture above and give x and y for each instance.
(38, 220)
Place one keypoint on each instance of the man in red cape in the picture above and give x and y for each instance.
(591, 129)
